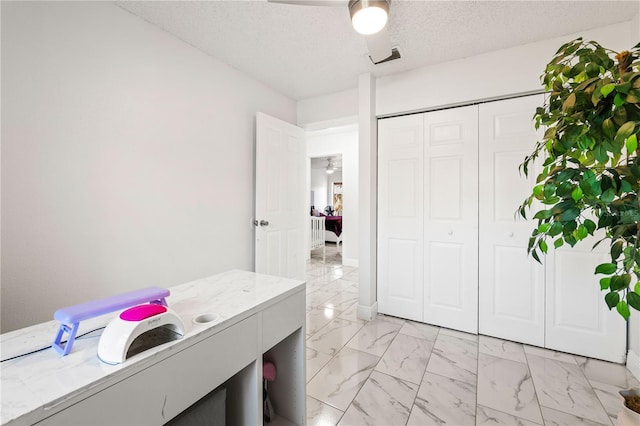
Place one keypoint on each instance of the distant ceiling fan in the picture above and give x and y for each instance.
(368, 17)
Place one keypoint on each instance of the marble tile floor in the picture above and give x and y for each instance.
(392, 371)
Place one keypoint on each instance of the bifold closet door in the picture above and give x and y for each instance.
(400, 217)
(512, 284)
(451, 218)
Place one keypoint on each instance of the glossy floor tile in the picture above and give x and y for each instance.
(383, 400)
(442, 400)
(563, 387)
(375, 337)
(338, 382)
(333, 336)
(319, 414)
(392, 371)
(507, 386)
(455, 358)
(406, 358)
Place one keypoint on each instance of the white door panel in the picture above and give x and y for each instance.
(400, 213)
(577, 318)
(511, 282)
(451, 218)
(280, 198)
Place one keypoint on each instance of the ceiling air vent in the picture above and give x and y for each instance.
(395, 54)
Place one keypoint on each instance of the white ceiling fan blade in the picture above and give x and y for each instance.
(330, 3)
(379, 45)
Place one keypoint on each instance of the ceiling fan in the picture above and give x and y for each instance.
(368, 17)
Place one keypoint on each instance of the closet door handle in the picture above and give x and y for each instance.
(510, 234)
(264, 223)
(450, 232)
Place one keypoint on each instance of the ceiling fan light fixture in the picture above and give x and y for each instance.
(330, 167)
(368, 16)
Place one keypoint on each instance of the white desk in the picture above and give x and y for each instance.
(259, 315)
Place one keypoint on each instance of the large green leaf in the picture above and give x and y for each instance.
(608, 195)
(633, 299)
(624, 131)
(543, 214)
(619, 282)
(607, 88)
(616, 250)
(632, 144)
(543, 246)
(569, 102)
(556, 229)
(606, 268)
(609, 128)
(612, 299)
(576, 194)
(623, 309)
(581, 232)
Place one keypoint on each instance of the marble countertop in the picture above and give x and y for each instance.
(38, 385)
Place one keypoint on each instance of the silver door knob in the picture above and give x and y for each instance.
(264, 223)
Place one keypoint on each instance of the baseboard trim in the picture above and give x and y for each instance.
(350, 262)
(633, 363)
(368, 313)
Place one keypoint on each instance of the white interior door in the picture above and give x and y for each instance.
(577, 318)
(451, 218)
(512, 283)
(281, 213)
(400, 217)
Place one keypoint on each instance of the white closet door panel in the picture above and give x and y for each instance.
(451, 218)
(445, 200)
(578, 320)
(511, 283)
(445, 261)
(400, 217)
(517, 285)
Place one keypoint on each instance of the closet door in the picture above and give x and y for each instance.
(512, 284)
(400, 217)
(451, 218)
(577, 318)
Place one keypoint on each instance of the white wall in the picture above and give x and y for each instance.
(343, 140)
(331, 110)
(319, 188)
(500, 73)
(128, 158)
(368, 219)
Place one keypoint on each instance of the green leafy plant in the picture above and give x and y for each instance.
(590, 163)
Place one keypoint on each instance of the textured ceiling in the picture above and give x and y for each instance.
(306, 51)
